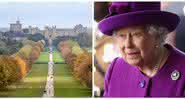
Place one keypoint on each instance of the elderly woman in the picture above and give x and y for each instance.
(148, 67)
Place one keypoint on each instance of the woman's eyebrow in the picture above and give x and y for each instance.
(136, 30)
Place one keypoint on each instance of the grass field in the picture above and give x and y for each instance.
(33, 84)
(66, 85)
(57, 57)
(44, 57)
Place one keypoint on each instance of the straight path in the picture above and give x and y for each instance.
(49, 89)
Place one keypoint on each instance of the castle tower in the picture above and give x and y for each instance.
(16, 27)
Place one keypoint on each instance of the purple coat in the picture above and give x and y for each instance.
(124, 80)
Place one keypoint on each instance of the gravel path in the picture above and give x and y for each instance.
(49, 88)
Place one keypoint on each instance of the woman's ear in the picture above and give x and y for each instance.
(157, 41)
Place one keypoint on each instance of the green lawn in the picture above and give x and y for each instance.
(44, 57)
(47, 49)
(33, 84)
(55, 49)
(57, 57)
(66, 85)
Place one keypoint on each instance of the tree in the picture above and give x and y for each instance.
(85, 39)
(36, 37)
(83, 68)
(9, 71)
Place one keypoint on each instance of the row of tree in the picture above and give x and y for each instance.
(79, 60)
(83, 39)
(15, 67)
(9, 46)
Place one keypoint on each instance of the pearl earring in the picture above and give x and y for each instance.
(157, 46)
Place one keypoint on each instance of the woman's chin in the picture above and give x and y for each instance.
(133, 61)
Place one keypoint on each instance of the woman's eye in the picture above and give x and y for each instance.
(122, 35)
(136, 33)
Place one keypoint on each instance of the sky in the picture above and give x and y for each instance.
(40, 14)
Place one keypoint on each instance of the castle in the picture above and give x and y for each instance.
(51, 32)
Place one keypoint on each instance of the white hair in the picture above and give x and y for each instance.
(160, 32)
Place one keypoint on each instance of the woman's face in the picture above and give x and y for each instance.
(137, 47)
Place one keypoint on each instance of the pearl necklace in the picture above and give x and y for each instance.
(159, 62)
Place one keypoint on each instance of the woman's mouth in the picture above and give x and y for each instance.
(132, 53)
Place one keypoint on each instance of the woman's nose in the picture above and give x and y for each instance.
(128, 41)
